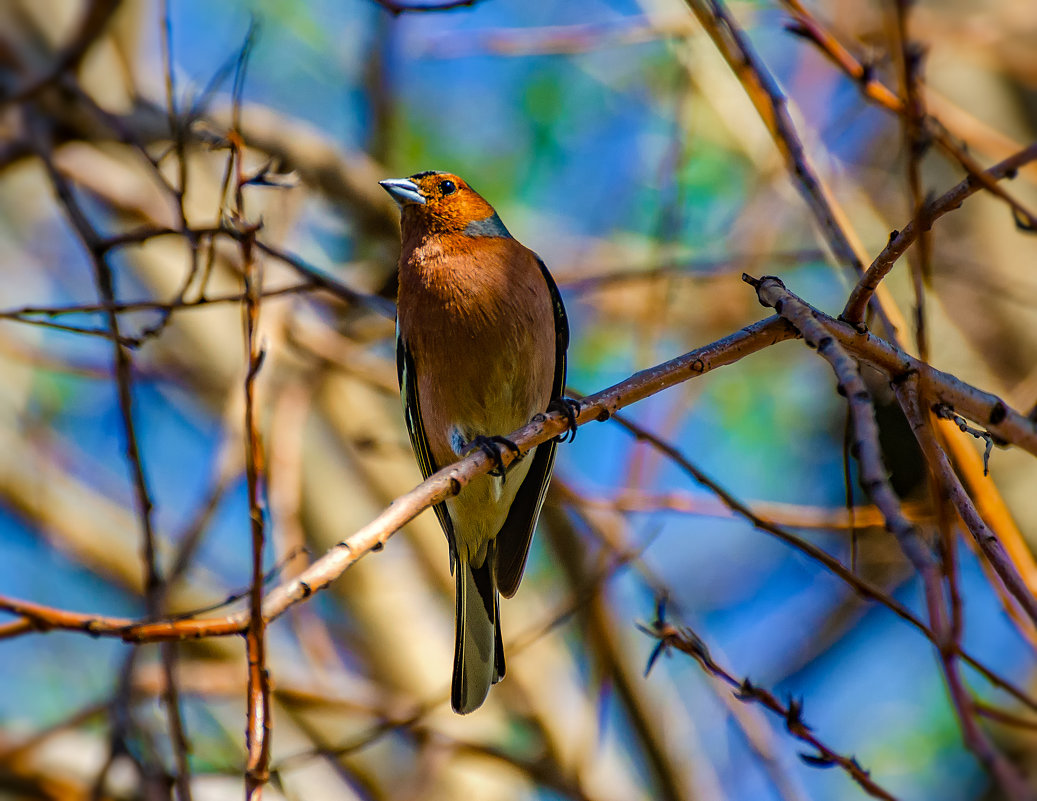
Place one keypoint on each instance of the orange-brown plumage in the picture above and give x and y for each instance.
(441, 214)
(490, 309)
(481, 339)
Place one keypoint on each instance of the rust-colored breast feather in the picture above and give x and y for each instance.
(477, 317)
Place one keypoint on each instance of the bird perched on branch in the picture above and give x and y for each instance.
(481, 335)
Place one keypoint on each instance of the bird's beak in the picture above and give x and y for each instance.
(403, 190)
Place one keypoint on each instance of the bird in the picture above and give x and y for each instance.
(481, 340)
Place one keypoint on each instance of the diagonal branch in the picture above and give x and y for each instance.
(600, 406)
(395, 8)
(92, 25)
(947, 482)
(988, 542)
(864, 589)
(874, 475)
(772, 106)
(93, 243)
(686, 641)
(807, 26)
(447, 482)
(900, 241)
(1007, 424)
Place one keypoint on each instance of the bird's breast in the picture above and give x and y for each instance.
(479, 325)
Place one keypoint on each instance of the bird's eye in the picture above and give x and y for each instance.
(447, 187)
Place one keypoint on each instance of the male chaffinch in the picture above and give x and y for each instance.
(481, 335)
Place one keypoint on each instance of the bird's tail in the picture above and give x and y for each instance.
(478, 648)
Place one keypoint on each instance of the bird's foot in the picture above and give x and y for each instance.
(571, 409)
(491, 446)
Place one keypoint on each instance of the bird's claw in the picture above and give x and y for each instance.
(570, 407)
(491, 446)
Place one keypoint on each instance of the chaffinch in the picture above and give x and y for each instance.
(481, 335)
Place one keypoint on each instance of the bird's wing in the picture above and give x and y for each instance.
(408, 379)
(512, 544)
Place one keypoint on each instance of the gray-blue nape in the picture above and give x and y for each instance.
(489, 226)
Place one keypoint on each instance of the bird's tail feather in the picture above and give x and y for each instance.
(478, 648)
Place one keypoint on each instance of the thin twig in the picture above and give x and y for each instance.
(900, 240)
(985, 538)
(27, 314)
(557, 39)
(177, 731)
(772, 106)
(179, 191)
(92, 25)
(859, 585)
(1003, 716)
(807, 26)
(791, 515)
(916, 143)
(397, 8)
(259, 725)
(969, 466)
(685, 640)
(104, 333)
(1011, 783)
(92, 243)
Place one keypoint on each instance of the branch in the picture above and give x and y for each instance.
(916, 143)
(772, 106)
(876, 483)
(396, 8)
(1006, 424)
(600, 406)
(93, 243)
(26, 314)
(900, 241)
(95, 20)
(807, 26)
(975, 739)
(441, 485)
(685, 640)
(874, 475)
(557, 39)
(939, 387)
(257, 732)
(791, 515)
(863, 588)
(951, 486)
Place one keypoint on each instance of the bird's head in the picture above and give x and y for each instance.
(441, 202)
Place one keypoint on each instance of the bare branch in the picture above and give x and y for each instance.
(807, 26)
(951, 486)
(772, 106)
(685, 640)
(397, 8)
(95, 20)
(900, 241)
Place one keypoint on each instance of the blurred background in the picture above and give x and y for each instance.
(612, 139)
